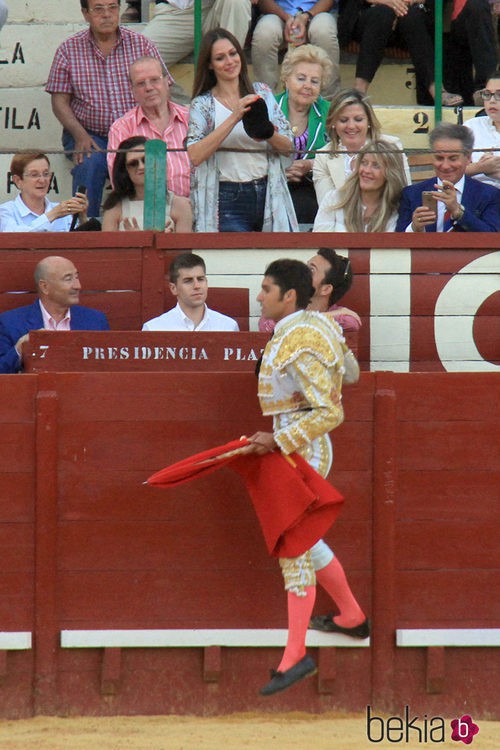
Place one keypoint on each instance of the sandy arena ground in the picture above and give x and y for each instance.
(236, 732)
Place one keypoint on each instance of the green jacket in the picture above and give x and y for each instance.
(317, 135)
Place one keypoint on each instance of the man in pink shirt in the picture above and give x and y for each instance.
(155, 116)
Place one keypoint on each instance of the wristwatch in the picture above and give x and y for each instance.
(307, 13)
(461, 210)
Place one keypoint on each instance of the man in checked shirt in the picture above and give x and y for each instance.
(90, 89)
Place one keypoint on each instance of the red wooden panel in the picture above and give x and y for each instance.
(16, 547)
(16, 600)
(17, 496)
(357, 399)
(447, 396)
(27, 242)
(121, 495)
(11, 301)
(255, 240)
(12, 459)
(426, 288)
(158, 545)
(16, 689)
(18, 398)
(144, 351)
(423, 348)
(452, 495)
(452, 260)
(448, 598)
(356, 487)
(172, 397)
(475, 668)
(449, 544)
(202, 597)
(486, 329)
(174, 678)
(352, 543)
(358, 296)
(100, 266)
(132, 445)
(449, 445)
(353, 446)
(122, 308)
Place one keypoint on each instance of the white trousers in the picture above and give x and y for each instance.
(172, 30)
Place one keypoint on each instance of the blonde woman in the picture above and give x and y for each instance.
(305, 72)
(369, 199)
(351, 123)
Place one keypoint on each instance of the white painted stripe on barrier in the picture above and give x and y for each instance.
(19, 641)
(260, 638)
(390, 309)
(449, 637)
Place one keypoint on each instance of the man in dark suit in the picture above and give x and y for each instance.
(459, 203)
(56, 309)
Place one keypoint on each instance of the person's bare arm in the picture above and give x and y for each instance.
(204, 148)
(280, 143)
(111, 219)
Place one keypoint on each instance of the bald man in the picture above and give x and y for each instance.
(56, 309)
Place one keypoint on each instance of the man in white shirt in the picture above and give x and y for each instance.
(172, 27)
(188, 282)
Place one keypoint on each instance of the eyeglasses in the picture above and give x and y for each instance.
(37, 175)
(148, 81)
(134, 163)
(100, 10)
(486, 95)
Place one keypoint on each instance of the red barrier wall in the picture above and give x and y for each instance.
(86, 546)
(424, 307)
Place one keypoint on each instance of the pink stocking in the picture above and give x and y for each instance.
(334, 581)
(299, 613)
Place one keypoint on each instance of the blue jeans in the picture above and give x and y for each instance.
(241, 205)
(92, 172)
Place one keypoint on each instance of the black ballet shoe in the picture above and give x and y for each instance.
(326, 624)
(283, 680)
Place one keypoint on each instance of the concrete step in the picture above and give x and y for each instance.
(50, 11)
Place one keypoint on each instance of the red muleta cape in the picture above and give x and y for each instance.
(294, 504)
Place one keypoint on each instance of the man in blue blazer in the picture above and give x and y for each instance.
(457, 202)
(56, 309)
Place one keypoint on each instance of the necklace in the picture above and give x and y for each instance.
(299, 124)
(298, 121)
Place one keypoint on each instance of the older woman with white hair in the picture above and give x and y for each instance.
(369, 199)
(305, 72)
